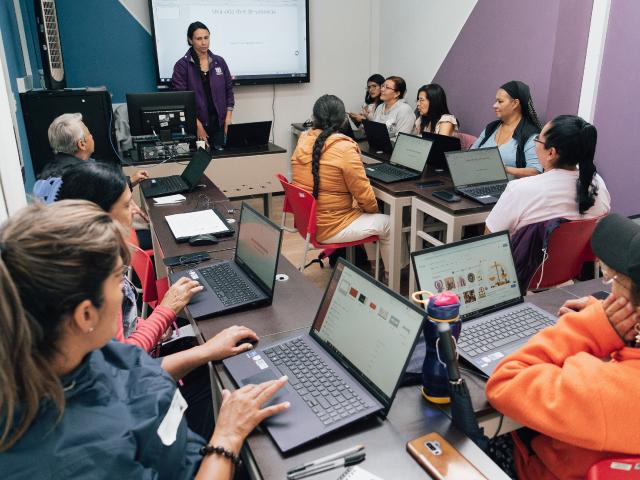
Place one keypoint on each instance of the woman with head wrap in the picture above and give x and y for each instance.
(514, 130)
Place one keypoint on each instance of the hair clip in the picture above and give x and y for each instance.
(47, 190)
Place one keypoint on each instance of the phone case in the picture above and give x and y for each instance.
(446, 463)
(446, 196)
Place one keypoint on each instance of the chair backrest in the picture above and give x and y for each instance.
(626, 468)
(568, 248)
(143, 266)
(466, 140)
(302, 205)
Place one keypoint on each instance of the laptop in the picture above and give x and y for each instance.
(357, 134)
(635, 218)
(478, 174)
(407, 162)
(377, 137)
(156, 187)
(495, 318)
(346, 368)
(248, 135)
(245, 282)
(441, 143)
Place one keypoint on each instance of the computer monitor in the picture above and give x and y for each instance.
(162, 113)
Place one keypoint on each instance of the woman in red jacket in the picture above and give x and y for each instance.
(575, 384)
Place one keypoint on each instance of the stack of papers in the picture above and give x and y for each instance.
(169, 199)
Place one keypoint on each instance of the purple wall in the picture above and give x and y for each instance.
(617, 106)
(542, 43)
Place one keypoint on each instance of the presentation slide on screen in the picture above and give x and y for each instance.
(371, 328)
(255, 37)
(481, 273)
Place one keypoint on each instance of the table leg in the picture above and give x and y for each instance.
(417, 224)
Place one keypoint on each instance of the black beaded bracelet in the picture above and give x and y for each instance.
(209, 449)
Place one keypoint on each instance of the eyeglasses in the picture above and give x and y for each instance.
(537, 139)
(387, 87)
(607, 278)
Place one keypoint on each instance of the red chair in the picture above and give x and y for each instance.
(153, 290)
(303, 205)
(626, 468)
(569, 247)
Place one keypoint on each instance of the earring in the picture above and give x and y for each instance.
(90, 330)
(636, 327)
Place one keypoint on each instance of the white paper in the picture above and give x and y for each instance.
(168, 429)
(169, 199)
(185, 225)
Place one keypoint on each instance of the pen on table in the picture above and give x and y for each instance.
(328, 458)
(323, 467)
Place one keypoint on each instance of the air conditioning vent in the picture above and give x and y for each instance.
(50, 44)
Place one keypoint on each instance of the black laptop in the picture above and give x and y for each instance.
(441, 143)
(407, 162)
(156, 187)
(357, 134)
(377, 137)
(346, 368)
(495, 318)
(478, 174)
(248, 280)
(248, 135)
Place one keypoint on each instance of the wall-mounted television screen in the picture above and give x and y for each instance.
(262, 41)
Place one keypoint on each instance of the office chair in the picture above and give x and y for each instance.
(153, 290)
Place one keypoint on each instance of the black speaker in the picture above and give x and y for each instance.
(40, 107)
(50, 48)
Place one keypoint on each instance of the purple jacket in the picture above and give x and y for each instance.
(186, 76)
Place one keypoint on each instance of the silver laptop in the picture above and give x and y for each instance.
(407, 162)
(478, 174)
(496, 319)
(346, 368)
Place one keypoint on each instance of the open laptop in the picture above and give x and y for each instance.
(346, 368)
(407, 162)
(377, 137)
(248, 280)
(156, 187)
(348, 130)
(441, 143)
(248, 135)
(478, 174)
(495, 318)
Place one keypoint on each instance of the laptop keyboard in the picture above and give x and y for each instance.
(384, 170)
(328, 396)
(492, 190)
(230, 287)
(171, 183)
(501, 330)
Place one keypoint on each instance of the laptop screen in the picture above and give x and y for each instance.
(480, 271)
(368, 328)
(411, 152)
(469, 167)
(258, 246)
(196, 167)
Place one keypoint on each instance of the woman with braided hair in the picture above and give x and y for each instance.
(328, 164)
(514, 130)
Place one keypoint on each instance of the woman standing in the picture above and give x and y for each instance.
(209, 77)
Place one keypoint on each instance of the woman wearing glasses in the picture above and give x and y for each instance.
(434, 112)
(569, 187)
(371, 99)
(575, 385)
(514, 129)
(394, 112)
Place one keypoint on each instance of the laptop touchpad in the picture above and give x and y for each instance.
(264, 376)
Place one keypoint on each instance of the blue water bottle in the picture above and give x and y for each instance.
(443, 314)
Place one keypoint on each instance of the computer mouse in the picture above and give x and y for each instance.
(204, 239)
(252, 341)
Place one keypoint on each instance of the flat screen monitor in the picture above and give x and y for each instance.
(162, 113)
(262, 41)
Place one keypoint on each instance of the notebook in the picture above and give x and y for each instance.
(346, 368)
(358, 473)
(495, 318)
(478, 174)
(407, 162)
(183, 226)
(156, 187)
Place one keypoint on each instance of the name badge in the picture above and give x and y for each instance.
(218, 71)
(168, 429)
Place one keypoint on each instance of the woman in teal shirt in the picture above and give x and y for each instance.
(514, 130)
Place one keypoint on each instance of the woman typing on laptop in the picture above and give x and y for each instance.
(75, 404)
(575, 384)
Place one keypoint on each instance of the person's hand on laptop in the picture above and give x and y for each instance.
(227, 343)
(137, 177)
(180, 294)
(241, 411)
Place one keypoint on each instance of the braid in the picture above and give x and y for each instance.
(533, 115)
(315, 157)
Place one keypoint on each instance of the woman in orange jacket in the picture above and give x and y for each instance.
(328, 164)
(576, 383)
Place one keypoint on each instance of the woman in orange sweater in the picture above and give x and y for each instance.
(576, 383)
(328, 164)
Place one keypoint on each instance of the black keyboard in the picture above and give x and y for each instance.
(385, 172)
(492, 190)
(171, 183)
(500, 330)
(230, 287)
(328, 396)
